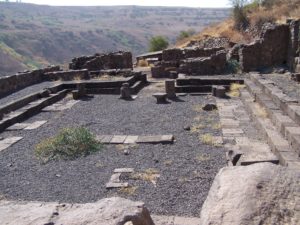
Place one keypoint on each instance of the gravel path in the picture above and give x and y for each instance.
(187, 168)
(290, 87)
(23, 92)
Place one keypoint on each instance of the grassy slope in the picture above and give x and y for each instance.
(41, 35)
(279, 12)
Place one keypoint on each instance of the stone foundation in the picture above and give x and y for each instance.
(115, 60)
(10, 84)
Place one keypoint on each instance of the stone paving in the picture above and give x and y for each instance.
(60, 106)
(7, 142)
(27, 126)
(240, 136)
(132, 139)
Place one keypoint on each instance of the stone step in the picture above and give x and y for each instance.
(279, 145)
(288, 128)
(288, 105)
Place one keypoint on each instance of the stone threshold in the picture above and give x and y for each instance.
(134, 139)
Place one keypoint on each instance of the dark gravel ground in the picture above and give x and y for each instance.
(187, 168)
(23, 92)
(283, 81)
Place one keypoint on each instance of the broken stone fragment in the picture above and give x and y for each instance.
(210, 107)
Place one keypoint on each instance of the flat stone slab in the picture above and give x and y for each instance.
(27, 126)
(163, 139)
(254, 157)
(115, 178)
(116, 185)
(118, 139)
(232, 132)
(7, 142)
(35, 125)
(106, 139)
(124, 170)
(130, 139)
(60, 106)
(18, 126)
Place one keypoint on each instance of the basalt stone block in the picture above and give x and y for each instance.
(170, 88)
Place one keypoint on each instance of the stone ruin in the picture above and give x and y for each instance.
(115, 60)
(278, 45)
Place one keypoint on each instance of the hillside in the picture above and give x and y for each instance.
(256, 15)
(34, 35)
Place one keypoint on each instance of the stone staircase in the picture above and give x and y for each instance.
(276, 115)
(203, 85)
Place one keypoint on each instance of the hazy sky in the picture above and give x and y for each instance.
(189, 3)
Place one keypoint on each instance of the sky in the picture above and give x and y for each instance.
(187, 3)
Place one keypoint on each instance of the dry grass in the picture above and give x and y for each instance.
(279, 12)
(168, 162)
(208, 139)
(77, 78)
(234, 90)
(128, 190)
(197, 108)
(143, 63)
(216, 126)
(149, 175)
(197, 128)
(202, 157)
(260, 111)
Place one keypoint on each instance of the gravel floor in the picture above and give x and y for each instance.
(23, 92)
(187, 168)
(283, 81)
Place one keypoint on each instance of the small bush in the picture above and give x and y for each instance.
(69, 144)
(240, 18)
(233, 66)
(158, 43)
(143, 63)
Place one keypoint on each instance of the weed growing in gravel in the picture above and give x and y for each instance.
(168, 162)
(216, 126)
(128, 190)
(70, 143)
(261, 111)
(208, 139)
(197, 128)
(234, 90)
(150, 175)
(202, 157)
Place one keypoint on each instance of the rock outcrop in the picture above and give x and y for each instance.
(110, 211)
(257, 194)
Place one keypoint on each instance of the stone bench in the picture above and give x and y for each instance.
(160, 97)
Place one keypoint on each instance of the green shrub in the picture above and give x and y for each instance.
(233, 66)
(240, 18)
(158, 43)
(69, 144)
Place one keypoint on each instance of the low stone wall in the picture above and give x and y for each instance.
(200, 52)
(115, 60)
(270, 50)
(12, 83)
(67, 75)
(216, 64)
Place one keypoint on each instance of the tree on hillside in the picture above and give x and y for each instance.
(239, 14)
(185, 34)
(158, 43)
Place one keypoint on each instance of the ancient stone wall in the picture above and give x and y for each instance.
(200, 52)
(270, 50)
(10, 84)
(216, 64)
(67, 75)
(116, 60)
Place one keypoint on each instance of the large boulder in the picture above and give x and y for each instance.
(261, 193)
(110, 211)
